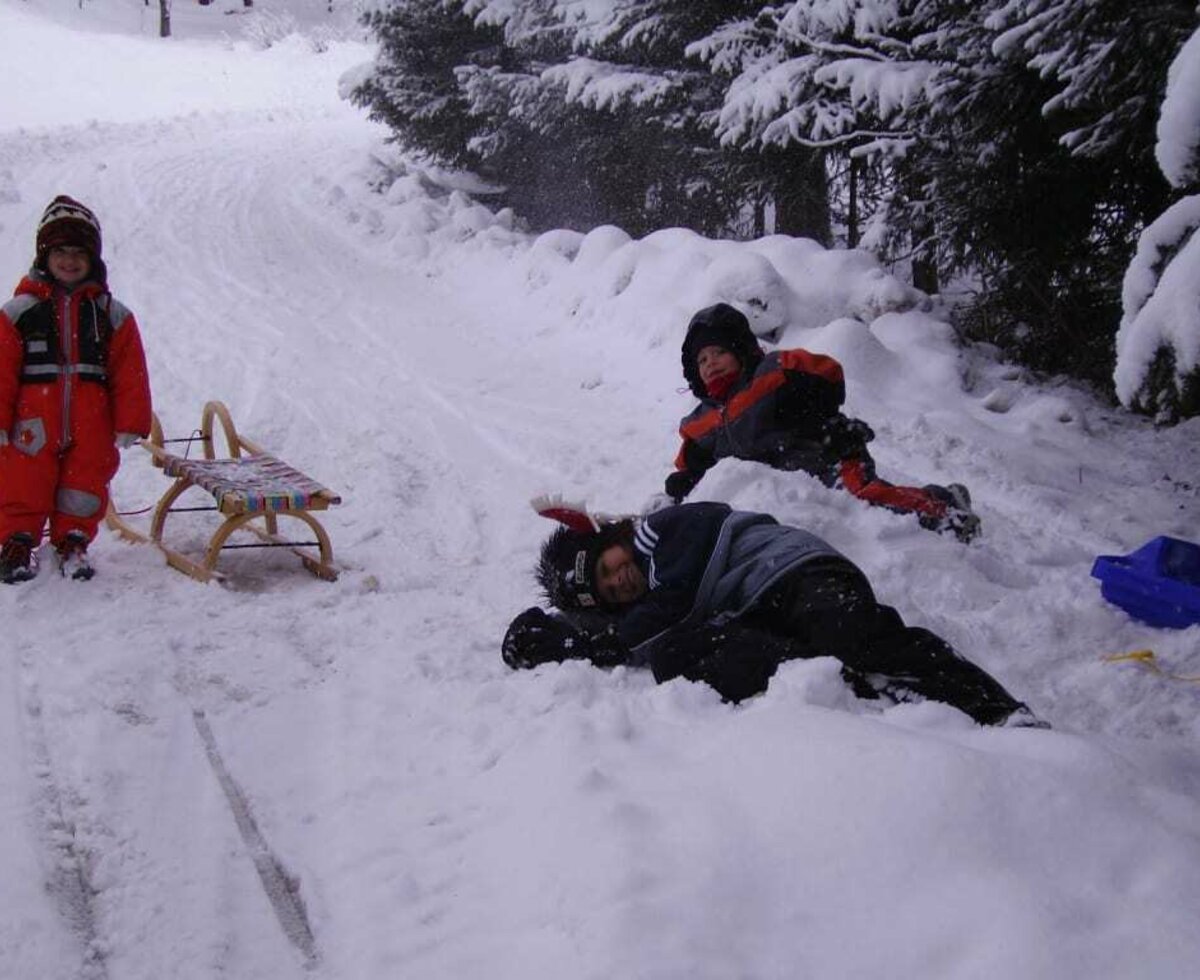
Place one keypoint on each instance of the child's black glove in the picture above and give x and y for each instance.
(536, 638)
(680, 483)
(843, 437)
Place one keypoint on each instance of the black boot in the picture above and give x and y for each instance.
(18, 559)
(959, 519)
(72, 557)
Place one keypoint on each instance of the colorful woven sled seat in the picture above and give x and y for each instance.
(252, 489)
(1158, 584)
(251, 484)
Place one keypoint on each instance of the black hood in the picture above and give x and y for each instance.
(722, 326)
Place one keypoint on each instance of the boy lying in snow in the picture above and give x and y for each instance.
(723, 596)
(782, 409)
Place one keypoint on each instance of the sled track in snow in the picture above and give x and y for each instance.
(69, 881)
(282, 889)
(70, 859)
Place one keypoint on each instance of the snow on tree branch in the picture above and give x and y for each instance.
(602, 85)
(1161, 300)
(884, 89)
(1158, 344)
(1178, 148)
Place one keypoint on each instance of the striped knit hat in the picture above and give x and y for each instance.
(67, 222)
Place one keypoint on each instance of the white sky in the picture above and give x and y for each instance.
(441, 816)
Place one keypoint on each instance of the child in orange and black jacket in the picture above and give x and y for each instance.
(73, 389)
(783, 409)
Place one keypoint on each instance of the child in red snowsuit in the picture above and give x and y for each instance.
(783, 409)
(73, 387)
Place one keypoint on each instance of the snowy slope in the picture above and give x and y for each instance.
(440, 816)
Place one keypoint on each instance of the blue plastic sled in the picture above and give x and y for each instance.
(1158, 584)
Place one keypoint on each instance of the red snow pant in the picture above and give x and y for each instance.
(857, 475)
(68, 488)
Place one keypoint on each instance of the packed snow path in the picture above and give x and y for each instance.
(430, 813)
(277, 308)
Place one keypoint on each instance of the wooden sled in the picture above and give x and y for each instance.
(252, 490)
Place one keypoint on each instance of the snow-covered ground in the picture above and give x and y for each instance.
(285, 777)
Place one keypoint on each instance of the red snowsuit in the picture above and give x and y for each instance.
(72, 375)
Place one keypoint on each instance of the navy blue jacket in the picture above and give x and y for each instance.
(707, 563)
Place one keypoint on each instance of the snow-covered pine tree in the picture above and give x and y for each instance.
(1158, 345)
(587, 113)
(1108, 59)
(413, 88)
(870, 84)
(1101, 66)
(629, 65)
(611, 82)
(1011, 211)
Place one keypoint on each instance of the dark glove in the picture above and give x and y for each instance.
(605, 649)
(680, 483)
(843, 437)
(536, 638)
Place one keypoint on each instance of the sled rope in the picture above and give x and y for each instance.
(196, 436)
(1145, 658)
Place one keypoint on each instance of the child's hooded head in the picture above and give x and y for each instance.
(68, 224)
(718, 326)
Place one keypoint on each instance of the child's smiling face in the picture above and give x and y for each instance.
(619, 580)
(69, 264)
(716, 362)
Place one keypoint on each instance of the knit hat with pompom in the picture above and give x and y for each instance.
(67, 222)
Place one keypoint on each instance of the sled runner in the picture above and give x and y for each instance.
(251, 489)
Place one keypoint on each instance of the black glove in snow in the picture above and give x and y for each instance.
(535, 638)
(842, 436)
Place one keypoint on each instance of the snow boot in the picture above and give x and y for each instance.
(72, 557)
(18, 559)
(958, 518)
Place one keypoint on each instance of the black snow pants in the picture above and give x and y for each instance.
(827, 608)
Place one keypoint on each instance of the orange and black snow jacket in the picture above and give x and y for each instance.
(776, 415)
(71, 361)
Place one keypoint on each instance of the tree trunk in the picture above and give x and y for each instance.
(802, 196)
(924, 262)
(164, 18)
(852, 232)
(925, 276)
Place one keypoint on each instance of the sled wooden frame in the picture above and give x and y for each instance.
(248, 506)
